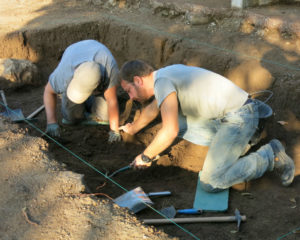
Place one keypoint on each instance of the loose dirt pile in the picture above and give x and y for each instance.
(41, 199)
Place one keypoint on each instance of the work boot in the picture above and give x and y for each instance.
(67, 122)
(92, 119)
(89, 119)
(283, 163)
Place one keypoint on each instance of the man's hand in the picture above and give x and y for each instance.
(53, 130)
(128, 128)
(114, 136)
(138, 163)
(147, 115)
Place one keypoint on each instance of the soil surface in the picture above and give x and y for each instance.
(57, 189)
(42, 199)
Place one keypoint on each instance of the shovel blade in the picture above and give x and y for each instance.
(136, 200)
(13, 114)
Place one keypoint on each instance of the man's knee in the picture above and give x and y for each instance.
(100, 108)
(208, 187)
(70, 119)
(72, 113)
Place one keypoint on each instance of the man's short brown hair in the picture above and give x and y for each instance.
(134, 68)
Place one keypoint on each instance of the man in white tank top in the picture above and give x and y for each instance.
(206, 109)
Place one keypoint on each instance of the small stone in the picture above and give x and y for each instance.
(197, 19)
(165, 13)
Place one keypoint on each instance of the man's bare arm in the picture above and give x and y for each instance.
(148, 114)
(168, 132)
(50, 100)
(113, 108)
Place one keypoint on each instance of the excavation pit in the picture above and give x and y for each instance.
(163, 41)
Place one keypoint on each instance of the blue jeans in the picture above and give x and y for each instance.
(75, 113)
(228, 138)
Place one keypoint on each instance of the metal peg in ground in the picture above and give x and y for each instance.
(238, 218)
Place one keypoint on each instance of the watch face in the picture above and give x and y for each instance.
(145, 158)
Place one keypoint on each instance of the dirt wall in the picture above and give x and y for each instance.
(130, 41)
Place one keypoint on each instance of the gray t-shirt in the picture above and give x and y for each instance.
(84, 51)
(202, 94)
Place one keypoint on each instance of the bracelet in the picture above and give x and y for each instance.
(145, 158)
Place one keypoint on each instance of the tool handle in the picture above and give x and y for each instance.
(3, 98)
(189, 211)
(193, 220)
(35, 112)
(164, 193)
(120, 170)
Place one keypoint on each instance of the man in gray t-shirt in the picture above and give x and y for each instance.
(87, 78)
(206, 109)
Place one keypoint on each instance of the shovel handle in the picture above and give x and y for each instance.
(35, 112)
(3, 98)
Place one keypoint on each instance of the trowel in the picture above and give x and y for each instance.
(128, 167)
(136, 199)
(120, 170)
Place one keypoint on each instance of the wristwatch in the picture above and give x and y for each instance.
(145, 158)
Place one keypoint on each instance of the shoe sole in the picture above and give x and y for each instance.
(93, 123)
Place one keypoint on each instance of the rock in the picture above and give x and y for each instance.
(112, 3)
(98, 2)
(156, 5)
(71, 182)
(16, 73)
(197, 18)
